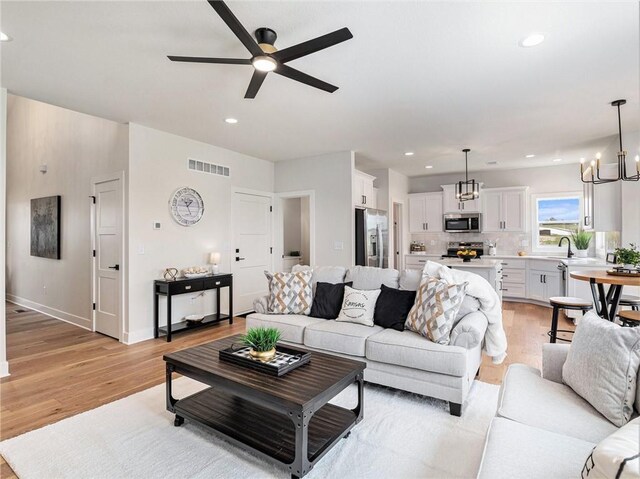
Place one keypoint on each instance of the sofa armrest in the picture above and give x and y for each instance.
(261, 304)
(469, 332)
(553, 358)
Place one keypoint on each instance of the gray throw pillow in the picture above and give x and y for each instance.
(602, 366)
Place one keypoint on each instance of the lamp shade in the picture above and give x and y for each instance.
(214, 258)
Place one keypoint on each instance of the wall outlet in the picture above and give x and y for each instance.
(141, 249)
(432, 242)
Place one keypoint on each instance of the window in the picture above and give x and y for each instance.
(555, 216)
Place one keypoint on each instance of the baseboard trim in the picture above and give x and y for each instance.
(79, 321)
(4, 369)
(137, 336)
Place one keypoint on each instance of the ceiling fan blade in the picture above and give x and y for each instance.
(287, 71)
(255, 84)
(312, 46)
(227, 61)
(236, 27)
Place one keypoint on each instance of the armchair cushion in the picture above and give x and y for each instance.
(553, 358)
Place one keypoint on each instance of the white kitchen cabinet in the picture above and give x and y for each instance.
(542, 284)
(425, 213)
(514, 278)
(363, 191)
(504, 209)
(451, 204)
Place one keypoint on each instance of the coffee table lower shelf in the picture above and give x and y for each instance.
(273, 434)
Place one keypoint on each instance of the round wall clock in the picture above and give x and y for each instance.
(186, 206)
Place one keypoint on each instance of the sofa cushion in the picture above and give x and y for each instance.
(410, 279)
(392, 307)
(367, 277)
(358, 306)
(516, 450)
(323, 274)
(527, 398)
(411, 350)
(291, 326)
(616, 457)
(327, 300)
(345, 338)
(602, 366)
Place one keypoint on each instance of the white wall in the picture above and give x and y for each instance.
(4, 365)
(75, 147)
(305, 225)
(330, 176)
(292, 225)
(158, 166)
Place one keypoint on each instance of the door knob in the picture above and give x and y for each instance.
(116, 267)
(238, 258)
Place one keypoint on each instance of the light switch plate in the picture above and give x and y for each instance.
(338, 245)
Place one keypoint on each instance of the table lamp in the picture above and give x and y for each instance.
(214, 259)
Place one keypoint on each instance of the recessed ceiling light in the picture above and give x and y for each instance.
(532, 40)
(231, 121)
(555, 160)
(428, 167)
(492, 162)
(4, 37)
(409, 153)
(530, 156)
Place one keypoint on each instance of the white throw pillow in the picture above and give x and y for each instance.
(358, 306)
(602, 366)
(617, 456)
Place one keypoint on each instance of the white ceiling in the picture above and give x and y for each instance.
(427, 77)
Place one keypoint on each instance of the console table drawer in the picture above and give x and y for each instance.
(184, 287)
(217, 282)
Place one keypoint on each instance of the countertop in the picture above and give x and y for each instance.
(559, 259)
(475, 263)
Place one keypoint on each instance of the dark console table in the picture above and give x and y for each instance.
(170, 288)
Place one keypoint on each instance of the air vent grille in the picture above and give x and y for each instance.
(210, 168)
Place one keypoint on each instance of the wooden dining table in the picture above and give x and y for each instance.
(606, 303)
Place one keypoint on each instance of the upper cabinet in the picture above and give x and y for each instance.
(364, 195)
(451, 204)
(425, 213)
(504, 209)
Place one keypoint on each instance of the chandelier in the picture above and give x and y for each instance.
(467, 190)
(592, 172)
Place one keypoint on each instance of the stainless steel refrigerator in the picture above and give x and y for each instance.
(372, 238)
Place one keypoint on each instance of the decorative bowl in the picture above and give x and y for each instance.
(194, 275)
(194, 318)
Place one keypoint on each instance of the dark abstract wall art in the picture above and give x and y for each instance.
(45, 227)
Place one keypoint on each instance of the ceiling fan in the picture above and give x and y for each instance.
(265, 57)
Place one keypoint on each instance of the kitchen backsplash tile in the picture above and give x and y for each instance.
(507, 243)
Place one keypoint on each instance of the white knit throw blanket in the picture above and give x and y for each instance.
(495, 339)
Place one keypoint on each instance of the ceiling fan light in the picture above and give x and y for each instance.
(264, 63)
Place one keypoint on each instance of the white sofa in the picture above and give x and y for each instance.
(542, 428)
(403, 360)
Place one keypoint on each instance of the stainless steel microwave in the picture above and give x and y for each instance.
(463, 223)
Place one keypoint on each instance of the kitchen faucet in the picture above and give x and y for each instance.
(569, 252)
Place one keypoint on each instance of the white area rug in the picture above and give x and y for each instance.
(402, 435)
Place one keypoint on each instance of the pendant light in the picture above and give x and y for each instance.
(467, 190)
(592, 172)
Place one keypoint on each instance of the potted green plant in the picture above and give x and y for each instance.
(629, 257)
(581, 240)
(262, 342)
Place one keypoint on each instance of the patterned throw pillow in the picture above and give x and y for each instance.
(435, 309)
(358, 306)
(289, 293)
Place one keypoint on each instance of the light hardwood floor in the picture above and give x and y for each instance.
(59, 370)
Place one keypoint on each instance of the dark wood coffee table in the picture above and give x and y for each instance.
(283, 419)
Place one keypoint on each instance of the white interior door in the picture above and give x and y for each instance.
(108, 257)
(252, 252)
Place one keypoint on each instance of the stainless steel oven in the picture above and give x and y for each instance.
(463, 223)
